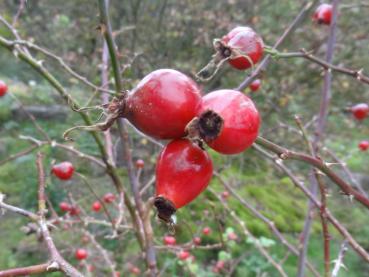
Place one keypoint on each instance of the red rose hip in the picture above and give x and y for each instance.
(360, 111)
(109, 198)
(169, 240)
(197, 240)
(74, 211)
(364, 145)
(206, 231)
(63, 171)
(135, 270)
(183, 171)
(245, 47)
(183, 255)
(255, 85)
(140, 164)
(240, 117)
(323, 14)
(65, 207)
(81, 254)
(3, 88)
(96, 206)
(163, 103)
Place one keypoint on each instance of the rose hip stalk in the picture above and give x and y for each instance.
(242, 47)
(160, 106)
(183, 171)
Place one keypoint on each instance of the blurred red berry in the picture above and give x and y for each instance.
(3, 88)
(255, 85)
(135, 270)
(360, 111)
(232, 236)
(140, 164)
(183, 255)
(81, 254)
(169, 240)
(96, 206)
(364, 145)
(197, 240)
(63, 170)
(74, 211)
(65, 207)
(225, 194)
(206, 231)
(323, 14)
(220, 265)
(109, 197)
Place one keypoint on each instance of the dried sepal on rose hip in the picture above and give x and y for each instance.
(233, 125)
(160, 106)
(242, 48)
(183, 171)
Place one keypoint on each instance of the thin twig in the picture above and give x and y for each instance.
(285, 154)
(248, 234)
(266, 220)
(340, 228)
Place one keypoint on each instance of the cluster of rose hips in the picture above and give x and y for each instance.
(167, 104)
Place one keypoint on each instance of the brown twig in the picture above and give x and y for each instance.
(328, 66)
(248, 234)
(102, 251)
(69, 148)
(340, 228)
(31, 117)
(285, 154)
(19, 154)
(21, 7)
(29, 270)
(67, 68)
(266, 220)
(106, 211)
